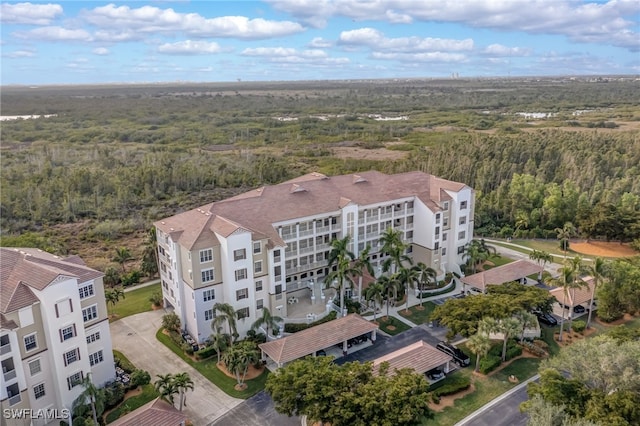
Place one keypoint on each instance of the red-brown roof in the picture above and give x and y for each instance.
(322, 336)
(420, 356)
(575, 297)
(502, 274)
(157, 413)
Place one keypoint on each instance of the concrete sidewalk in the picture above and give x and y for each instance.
(135, 337)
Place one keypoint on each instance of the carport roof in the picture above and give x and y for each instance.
(420, 356)
(502, 274)
(575, 297)
(311, 340)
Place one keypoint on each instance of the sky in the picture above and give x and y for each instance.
(81, 42)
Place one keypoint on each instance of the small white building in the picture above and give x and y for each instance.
(54, 331)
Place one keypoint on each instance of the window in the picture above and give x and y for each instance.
(208, 295)
(38, 391)
(242, 294)
(71, 356)
(463, 205)
(95, 358)
(239, 254)
(446, 206)
(206, 255)
(208, 315)
(444, 251)
(259, 304)
(278, 288)
(444, 236)
(438, 218)
(257, 247)
(257, 267)
(241, 274)
(461, 235)
(74, 379)
(276, 255)
(243, 313)
(86, 291)
(30, 342)
(460, 249)
(93, 337)
(207, 275)
(445, 222)
(463, 220)
(259, 285)
(437, 231)
(35, 367)
(437, 246)
(67, 332)
(90, 313)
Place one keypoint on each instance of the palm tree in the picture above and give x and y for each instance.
(341, 276)
(166, 387)
(522, 221)
(564, 234)
(220, 341)
(391, 285)
(268, 320)
(409, 277)
(479, 344)
(113, 296)
(92, 394)
(361, 264)
(506, 326)
(576, 265)
(598, 271)
(150, 255)
(225, 314)
(111, 277)
(339, 247)
(527, 319)
(542, 257)
(375, 293)
(122, 256)
(391, 243)
(171, 321)
(563, 280)
(182, 382)
(474, 254)
(238, 359)
(426, 276)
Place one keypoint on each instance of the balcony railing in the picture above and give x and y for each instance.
(15, 400)
(5, 349)
(10, 375)
(322, 229)
(305, 233)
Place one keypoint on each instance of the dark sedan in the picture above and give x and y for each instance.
(546, 318)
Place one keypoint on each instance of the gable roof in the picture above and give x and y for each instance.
(420, 356)
(157, 413)
(502, 274)
(575, 297)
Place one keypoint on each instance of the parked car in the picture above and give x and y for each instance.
(321, 352)
(579, 309)
(435, 374)
(458, 356)
(546, 318)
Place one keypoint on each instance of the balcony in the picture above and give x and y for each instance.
(322, 229)
(9, 375)
(5, 348)
(15, 400)
(306, 233)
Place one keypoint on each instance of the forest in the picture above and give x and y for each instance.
(113, 159)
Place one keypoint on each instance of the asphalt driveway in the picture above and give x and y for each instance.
(135, 337)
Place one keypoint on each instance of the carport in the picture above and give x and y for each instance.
(574, 296)
(322, 336)
(514, 271)
(420, 356)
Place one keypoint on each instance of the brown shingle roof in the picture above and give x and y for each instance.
(7, 324)
(311, 340)
(157, 413)
(259, 209)
(420, 356)
(577, 296)
(502, 274)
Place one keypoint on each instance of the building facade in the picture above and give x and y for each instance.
(54, 332)
(252, 249)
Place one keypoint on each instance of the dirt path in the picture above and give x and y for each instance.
(604, 249)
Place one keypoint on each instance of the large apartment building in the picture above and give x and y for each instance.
(54, 331)
(253, 249)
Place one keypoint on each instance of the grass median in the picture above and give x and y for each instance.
(134, 302)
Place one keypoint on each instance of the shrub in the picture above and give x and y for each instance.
(207, 352)
(175, 337)
(123, 363)
(535, 349)
(435, 398)
(513, 351)
(256, 337)
(541, 344)
(454, 384)
(131, 278)
(489, 363)
(578, 326)
(171, 321)
(114, 394)
(156, 298)
(294, 328)
(186, 348)
(140, 378)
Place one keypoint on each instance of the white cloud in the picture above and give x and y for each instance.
(500, 50)
(150, 19)
(376, 40)
(421, 57)
(54, 34)
(101, 51)
(27, 13)
(320, 43)
(290, 55)
(190, 47)
(20, 54)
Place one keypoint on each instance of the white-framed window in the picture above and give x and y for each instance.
(242, 294)
(38, 391)
(67, 333)
(257, 247)
(243, 313)
(207, 275)
(86, 291)
(446, 206)
(241, 274)
(444, 236)
(259, 304)
(206, 255)
(35, 367)
(445, 222)
(71, 356)
(462, 220)
(30, 342)
(259, 285)
(90, 313)
(436, 246)
(460, 249)
(208, 295)
(463, 205)
(444, 251)
(74, 379)
(95, 358)
(461, 235)
(438, 218)
(208, 315)
(239, 254)
(257, 267)
(93, 337)
(437, 231)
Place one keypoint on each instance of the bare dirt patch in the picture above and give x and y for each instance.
(603, 248)
(368, 154)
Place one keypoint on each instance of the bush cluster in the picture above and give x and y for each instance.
(513, 350)
(207, 352)
(294, 328)
(453, 385)
(534, 349)
(123, 363)
(489, 363)
(578, 326)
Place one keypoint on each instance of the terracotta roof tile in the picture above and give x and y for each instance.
(157, 413)
(420, 356)
(577, 296)
(502, 274)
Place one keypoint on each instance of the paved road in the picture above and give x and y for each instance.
(135, 337)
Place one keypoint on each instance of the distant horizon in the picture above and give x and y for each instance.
(168, 42)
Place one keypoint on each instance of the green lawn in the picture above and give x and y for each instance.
(396, 325)
(209, 369)
(497, 261)
(134, 302)
(128, 405)
(417, 315)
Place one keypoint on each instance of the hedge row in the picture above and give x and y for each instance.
(206, 352)
(294, 328)
(454, 384)
(489, 363)
(513, 350)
